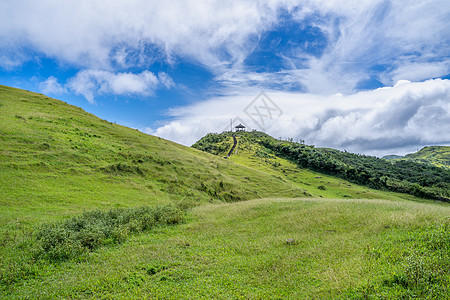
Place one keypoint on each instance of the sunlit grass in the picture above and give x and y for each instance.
(58, 162)
(340, 248)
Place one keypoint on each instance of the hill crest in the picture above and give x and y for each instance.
(404, 176)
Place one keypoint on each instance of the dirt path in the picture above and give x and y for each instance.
(232, 148)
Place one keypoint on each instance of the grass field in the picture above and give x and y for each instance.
(316, 184)
(249, 227)
(268, 248)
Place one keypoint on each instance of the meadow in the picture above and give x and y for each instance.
(267, 248)
(91, 209)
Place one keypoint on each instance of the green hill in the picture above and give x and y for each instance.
(94, 210)
(436, 155)
(251, 152)
(404, 176)
(56, 159)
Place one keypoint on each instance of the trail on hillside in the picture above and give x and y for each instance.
(232, 148)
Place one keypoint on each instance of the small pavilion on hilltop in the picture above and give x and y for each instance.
(240, 127)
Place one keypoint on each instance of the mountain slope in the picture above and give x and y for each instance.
(56, 159)
(403, 176)
(436, 155)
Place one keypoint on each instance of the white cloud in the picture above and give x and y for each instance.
(402, 36)
(383, 121)
(384, 40)
(52, 86)
(409, 36)
(166, 80)
(94, 34)
(92, 82)
(421, 71)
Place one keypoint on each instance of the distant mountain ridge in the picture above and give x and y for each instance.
(392, 156)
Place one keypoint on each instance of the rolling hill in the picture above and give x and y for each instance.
(404, 176)
(95, 210)
(436, 155)
(56, 159)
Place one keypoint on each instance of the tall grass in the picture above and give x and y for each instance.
(77, 236)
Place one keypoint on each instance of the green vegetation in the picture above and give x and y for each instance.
(214, 143)
(268, 248)
(436, 155)
(57, 160)
(91, 209)
(76, 236)
(404, 176)
(253, 155)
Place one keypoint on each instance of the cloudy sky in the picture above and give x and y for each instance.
(367, 76)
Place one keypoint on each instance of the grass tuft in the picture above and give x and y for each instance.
(78, 235)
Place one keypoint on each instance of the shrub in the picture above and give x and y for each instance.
(91, 230)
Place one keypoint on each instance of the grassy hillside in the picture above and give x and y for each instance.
(254, 155)
(422, 180)
(56, 159)
(436, 155)
(90, 209)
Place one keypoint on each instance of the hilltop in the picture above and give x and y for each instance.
(436, 155)
(404, 176)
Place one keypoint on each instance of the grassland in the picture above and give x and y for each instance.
(401, 176)
(315, 183)
(252, 226)
(339, 249)
(57, 160)
(436, 155)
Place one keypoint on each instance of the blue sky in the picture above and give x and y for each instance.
(367, 76)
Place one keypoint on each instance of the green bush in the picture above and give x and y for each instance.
(91, 230)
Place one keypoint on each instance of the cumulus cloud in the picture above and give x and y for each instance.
(94, 34)
(52, 86)
(382, 121)
(405, 37)
(90, 83)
